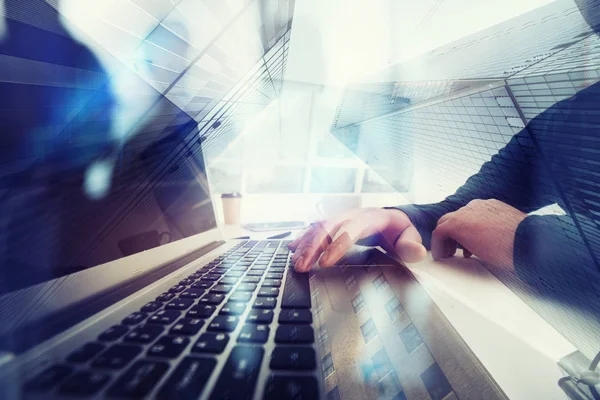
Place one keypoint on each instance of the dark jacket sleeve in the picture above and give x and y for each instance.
(551, 256)
(514, 176)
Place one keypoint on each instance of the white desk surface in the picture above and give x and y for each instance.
(518, 348)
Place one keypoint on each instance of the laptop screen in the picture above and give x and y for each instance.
(104, 112)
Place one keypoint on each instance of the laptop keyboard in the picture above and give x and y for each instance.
(169, 348)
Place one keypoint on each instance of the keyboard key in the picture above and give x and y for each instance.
(256, 272)
(85, 353)
(296, 293)
(134, 319)
(177, 289)
(201, 311)
(202, 285)
(223, 323)
(213, 343)
(188, 379)
(294, 334)
(179, 304)
(48, 378)
(293, 358)
(260, 317)
(163, 298)
(229, 281)
(187, 326)
(239, 375)
(251, 279)
(117, 356)
(144, 334)
(234, 274)
(168, 346)
(272, 283)
(274, 275)
(291, 388)
(84, 383)
(151, 307)
(139, 380)
(221, 289)
(265, 303)
(278, 264)
(164, 317)
(233, 308)
(254, 333)
(211, 277)
(113, 333)
(268, 291)
(192, 294)
(212, 298)
(240, 296)
(295, 317)
(186, 282)
(246, 287)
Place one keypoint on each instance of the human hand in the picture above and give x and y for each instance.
(485, 228)
(332, 238)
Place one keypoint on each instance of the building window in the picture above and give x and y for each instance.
(436, 383)
(394, 308)
(381, 283)
(411, 338)
(358, 303)
(323, 335)
(327, 365)
(334, 394)
(381, 363)
(369, 330)
(389, 387)
(350, 282)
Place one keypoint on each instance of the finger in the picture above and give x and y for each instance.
(313, 249)
(409, 246)
(296, 242)
(443, 244)
(345, 237)
(304, 241)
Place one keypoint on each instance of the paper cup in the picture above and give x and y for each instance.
(232, 204)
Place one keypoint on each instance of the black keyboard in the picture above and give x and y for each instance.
(249, 298)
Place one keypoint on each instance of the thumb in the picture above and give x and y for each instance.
(409, 245)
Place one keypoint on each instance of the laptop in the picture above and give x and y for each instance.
(232, 320)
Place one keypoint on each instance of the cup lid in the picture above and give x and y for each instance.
(230, 195)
